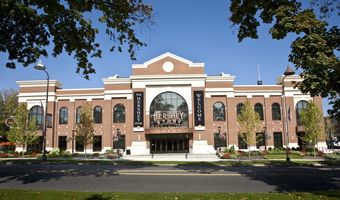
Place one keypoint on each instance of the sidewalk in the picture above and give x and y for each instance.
(174, 157)
(200, 158)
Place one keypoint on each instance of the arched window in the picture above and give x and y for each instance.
(119, 114)
(299, 107)
(36, 113)
(239, 108)
(276, 111)
(63, 115)
(218, 111)
(97, 114)
(78, 112)
(259, 109)
(169, 109)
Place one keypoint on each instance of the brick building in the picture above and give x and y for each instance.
(168, 104)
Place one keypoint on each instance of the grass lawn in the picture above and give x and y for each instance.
(282, 156)
(225, 162)
(9, 194)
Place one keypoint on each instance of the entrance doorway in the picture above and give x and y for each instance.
(169, 143)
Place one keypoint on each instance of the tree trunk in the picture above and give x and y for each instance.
(249, 151)
(85, 147)
(23, 150)
(314, 150)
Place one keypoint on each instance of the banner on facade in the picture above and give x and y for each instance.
(138, 109)
(199, 108)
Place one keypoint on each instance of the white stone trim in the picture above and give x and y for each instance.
(292, 145)
(167, 54)
(19, 149)
(168, 82)
(79, 89)
(39, 83)
(139, 148)
(152, 92)
(202, 147)
(136, 129)
(199, 128)
(302, 98)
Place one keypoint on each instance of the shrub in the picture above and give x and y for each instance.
(3, 155)
(95, 155)
(269, 149)
(109, 150)
(55, 152)
(240, 153)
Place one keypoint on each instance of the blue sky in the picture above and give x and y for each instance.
(197, 30)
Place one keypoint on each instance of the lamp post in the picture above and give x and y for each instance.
(289, 71)
(264, 132)
(116, 139)
(41, 67)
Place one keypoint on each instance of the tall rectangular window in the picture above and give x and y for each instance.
(260, 140)
(62, 143)
(278, 140)
(241, 143)
(79, 143)
(97, 143)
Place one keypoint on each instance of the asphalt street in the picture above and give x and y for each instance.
(181, 178)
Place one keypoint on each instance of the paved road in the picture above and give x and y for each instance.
(167, 178)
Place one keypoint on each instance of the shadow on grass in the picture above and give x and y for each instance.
(97, 197)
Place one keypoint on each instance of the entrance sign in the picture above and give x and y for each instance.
(139, 109)
(199, 108)
(168, 118)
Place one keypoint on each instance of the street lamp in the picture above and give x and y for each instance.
(116, 139)
(289, 71)
(41, 67)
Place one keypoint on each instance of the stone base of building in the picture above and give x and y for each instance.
(293, 145)
(139, 148)
(202, 147)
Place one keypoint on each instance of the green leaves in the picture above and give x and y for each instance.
(27, 27)
(249, 123)
(24, 131)
(312, 120)
(313, 51)
(85, 128)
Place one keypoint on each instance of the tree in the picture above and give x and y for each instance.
(314, 48)
(249, 123)
(28, 28)
(24, 130)
(85, 127)
(8, 106)
(331, 127)
(312, 120)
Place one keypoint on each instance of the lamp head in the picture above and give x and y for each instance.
(40, 66)
(289, 71)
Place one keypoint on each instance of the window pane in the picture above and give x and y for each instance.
(97, 115)
(62, 143)
(276, 111)
(218, 112)
(63, 116)
(168, 109)
(299, 107)
(119, 114)
(239, 108)
(78, 112)
(97, 143)
(79, 143)
(259, 110)
(36, 113)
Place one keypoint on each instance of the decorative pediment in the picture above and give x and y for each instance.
(168, 63)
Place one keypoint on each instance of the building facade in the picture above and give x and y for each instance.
(167, 105)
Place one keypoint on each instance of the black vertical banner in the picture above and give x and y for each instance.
(138, 109)
(199, 108)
